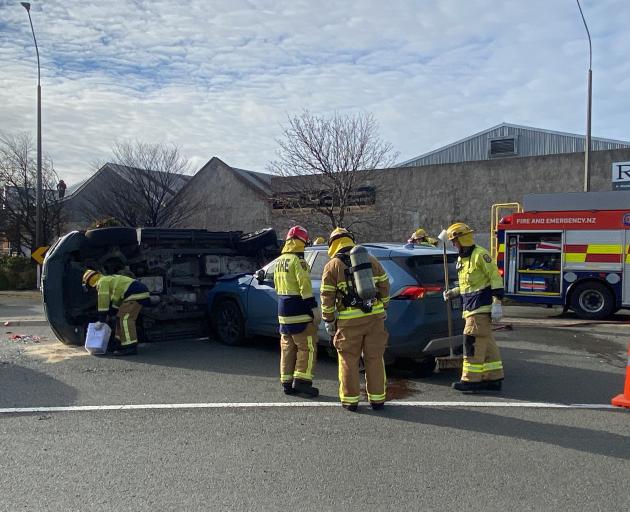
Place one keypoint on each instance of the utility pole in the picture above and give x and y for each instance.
(38, 192)
(587, 145)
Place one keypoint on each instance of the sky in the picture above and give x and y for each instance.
(220, 77)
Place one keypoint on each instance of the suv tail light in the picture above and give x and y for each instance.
(418, 292)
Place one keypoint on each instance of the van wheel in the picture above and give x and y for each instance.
(105, 237)
(228, 323)
(251, 243)
(592, 300)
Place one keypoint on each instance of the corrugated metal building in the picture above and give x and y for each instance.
(511, 141)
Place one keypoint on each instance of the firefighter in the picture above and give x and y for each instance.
(124, 295)
(420, 237)
(298, 316)
(481, 289)
(356, 326)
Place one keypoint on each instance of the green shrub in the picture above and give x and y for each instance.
(17, 273)
(4, 281)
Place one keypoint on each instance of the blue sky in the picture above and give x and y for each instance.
(219, 78)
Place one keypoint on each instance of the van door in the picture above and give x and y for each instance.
(625, 299)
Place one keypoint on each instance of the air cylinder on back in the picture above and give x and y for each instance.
(362, 272)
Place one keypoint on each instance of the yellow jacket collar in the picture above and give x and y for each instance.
(340, 243)
(293, 245)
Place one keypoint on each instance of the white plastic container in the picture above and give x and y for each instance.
(96, 340)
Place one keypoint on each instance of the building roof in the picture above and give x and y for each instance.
(258, 180)
(178, 183)
(541, 142)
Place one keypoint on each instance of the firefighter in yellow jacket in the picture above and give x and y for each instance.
(481, 290)
(420, 237)
(357, 326)
(298, 316)
(126, 297)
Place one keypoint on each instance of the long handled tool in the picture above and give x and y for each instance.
(451, 361)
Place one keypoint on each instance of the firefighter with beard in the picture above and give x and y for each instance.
(481, 290)
(298, 316)
(356, 325)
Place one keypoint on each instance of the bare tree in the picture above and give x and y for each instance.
(18, 176)
(328, 165)
(142, 187)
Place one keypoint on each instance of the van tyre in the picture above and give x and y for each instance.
(105, 237)
(592, 300)
(228, 323)
(252, 243)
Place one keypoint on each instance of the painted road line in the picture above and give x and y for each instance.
(254, 405)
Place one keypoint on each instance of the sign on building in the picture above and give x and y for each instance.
(621, 176)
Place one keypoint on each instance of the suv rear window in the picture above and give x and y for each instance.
(429, 268)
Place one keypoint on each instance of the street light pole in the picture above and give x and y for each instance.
(587, 146)
(38, 191)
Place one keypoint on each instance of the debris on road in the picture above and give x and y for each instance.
(25, 338)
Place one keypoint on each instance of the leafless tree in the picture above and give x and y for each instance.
(328, 165)
(142, 187)
(18, 176)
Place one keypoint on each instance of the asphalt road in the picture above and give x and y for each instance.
(271, 457)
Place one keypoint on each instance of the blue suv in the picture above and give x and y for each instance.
(245, 305)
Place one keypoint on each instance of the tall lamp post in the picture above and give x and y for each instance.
(587, 147)
(38, 192)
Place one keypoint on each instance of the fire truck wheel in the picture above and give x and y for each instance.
(592, 300)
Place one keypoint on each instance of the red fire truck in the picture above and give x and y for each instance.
(566, 249)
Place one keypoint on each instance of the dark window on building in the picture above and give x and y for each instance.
(502, 147)
(362, 196)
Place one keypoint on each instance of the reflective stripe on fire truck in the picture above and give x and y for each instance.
(592, 253)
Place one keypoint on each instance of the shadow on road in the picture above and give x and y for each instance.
(527, 378)
(574, 438)
(20, 386)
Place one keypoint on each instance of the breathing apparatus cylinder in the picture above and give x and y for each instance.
(362, 272)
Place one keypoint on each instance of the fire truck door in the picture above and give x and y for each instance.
(625, 300)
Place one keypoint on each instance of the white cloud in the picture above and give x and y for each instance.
(220, 77)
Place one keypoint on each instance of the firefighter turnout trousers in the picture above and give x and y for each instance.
(126, 318)
(482, 360)
(298, 354)
(361, 336)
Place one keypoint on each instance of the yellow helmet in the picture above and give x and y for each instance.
(339, 239)
(319, 241)
(462, 232)
(418, 234)
(338, 233)
(91, 277)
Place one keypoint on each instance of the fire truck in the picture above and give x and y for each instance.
(569, 249)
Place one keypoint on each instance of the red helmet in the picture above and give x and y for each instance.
(298, 232)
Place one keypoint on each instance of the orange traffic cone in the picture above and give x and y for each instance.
(623, 400)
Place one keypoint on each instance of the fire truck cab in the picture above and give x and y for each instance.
(570, 249)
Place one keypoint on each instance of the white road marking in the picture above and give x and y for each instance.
(252, 405)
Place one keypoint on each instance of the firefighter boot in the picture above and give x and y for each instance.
(288, 388)
(127, 350)
(305, 387)
(493, 385)
(350, 407)
(377, 406)
(469, 387)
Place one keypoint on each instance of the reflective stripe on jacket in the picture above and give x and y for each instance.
(334, 286)
(114, 290)
(479, 281)
(292, 281)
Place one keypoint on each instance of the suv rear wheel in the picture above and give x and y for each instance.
(228, 323)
